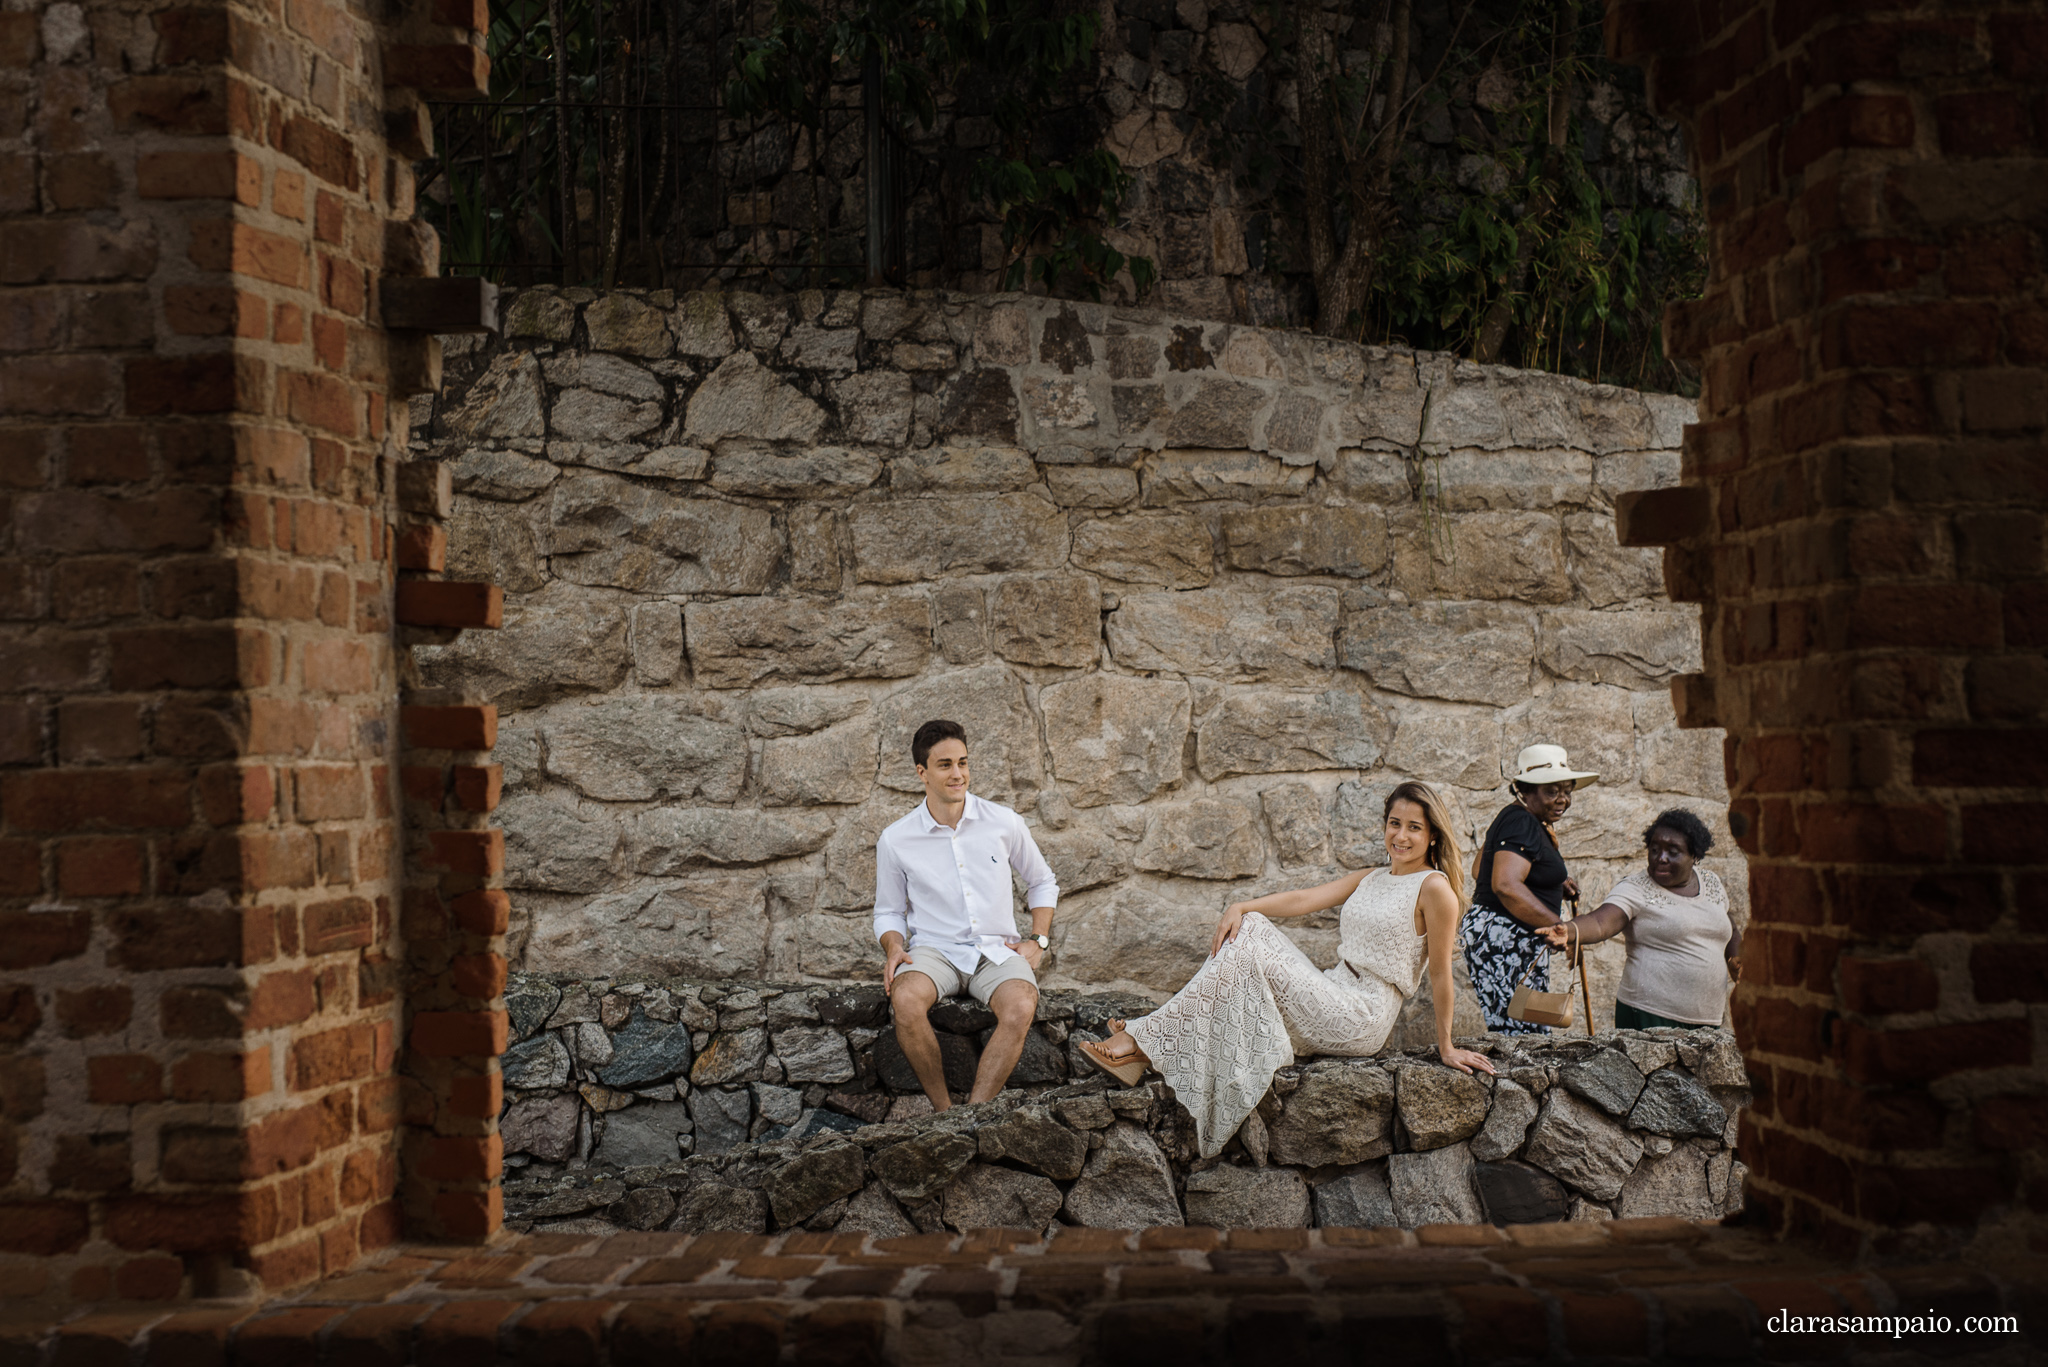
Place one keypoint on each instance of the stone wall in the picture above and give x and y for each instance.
(1201, 594)
(751, 1106)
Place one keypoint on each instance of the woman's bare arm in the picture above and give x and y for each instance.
(1298, 902)
(1440, 912)
(1306, 901)
(1604, 923)
(1510, 870)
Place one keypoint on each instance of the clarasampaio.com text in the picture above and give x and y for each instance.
(1898, 1326)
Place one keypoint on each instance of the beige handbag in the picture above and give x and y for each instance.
(1547, 1008)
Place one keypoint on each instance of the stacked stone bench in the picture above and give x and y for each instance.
(755, 1107)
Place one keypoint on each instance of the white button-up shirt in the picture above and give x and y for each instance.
(949, 887)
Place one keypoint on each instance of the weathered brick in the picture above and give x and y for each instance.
(42, 1228)
(214, 311)
(481, 853)
(345, 923)
(456, 70)
(465, 1333)
(477, 786)
(423, 547)
(477, 976)
(486, 911)
(124, 1079)
(1986, 123)
(452, 1034)
(342, 285)
(101, 866)
(451, 728)
(83, 180)
(376, 1336)
(58, 386)
(1874, 986)
(1919, 1055)
(56, 800)
(20, 39)
(442, 603)
(194, 1338)
(2003, 971)
(319, 400)
(221, 1077)
(191, 105)
(243, 249)
(328, 792)
(157, 386)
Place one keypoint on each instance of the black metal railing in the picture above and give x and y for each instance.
(603, 156)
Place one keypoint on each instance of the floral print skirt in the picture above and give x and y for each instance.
(1497, 949)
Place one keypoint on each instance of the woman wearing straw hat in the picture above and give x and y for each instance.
(1521, 883)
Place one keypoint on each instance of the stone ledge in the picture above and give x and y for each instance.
(754, 1106)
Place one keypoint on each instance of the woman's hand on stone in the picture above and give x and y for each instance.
(1466, 1060)
(1226, 928)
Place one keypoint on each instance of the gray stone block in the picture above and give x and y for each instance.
(644, 1135)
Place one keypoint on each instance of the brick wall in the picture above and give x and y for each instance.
(199, 857)
(455, 913)
(1862, 519)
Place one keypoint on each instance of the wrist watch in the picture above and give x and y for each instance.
(1042, 941)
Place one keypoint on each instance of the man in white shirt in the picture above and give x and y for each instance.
(943, 914)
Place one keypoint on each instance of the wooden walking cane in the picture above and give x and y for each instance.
(1585, 988)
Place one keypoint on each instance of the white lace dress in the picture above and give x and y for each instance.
(1261, 1001)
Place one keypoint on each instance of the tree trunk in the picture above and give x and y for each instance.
(1536, 211)
(1320, 150)
(1354, 171)
(564, 171)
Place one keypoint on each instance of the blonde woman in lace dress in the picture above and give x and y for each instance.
(1259, 1001)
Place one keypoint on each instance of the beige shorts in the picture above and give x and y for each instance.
(951, 982)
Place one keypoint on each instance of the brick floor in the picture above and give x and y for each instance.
(1623, 1292)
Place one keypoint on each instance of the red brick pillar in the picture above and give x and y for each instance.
(1862, 519)
(455, 913)
(200, 857)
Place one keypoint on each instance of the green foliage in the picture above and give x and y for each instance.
(483, 211)
(1584, 273)
(1048, 205)
(1016, 54)
(1596, 282)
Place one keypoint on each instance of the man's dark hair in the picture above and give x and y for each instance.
(1689, 828)
(930, 734)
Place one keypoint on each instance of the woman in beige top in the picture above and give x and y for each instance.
(1683, 946)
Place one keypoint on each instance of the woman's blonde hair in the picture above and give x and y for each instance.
(1445, 854)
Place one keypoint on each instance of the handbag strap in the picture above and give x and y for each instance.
(1575, 955)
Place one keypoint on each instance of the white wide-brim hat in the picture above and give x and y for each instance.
(1547, 764)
